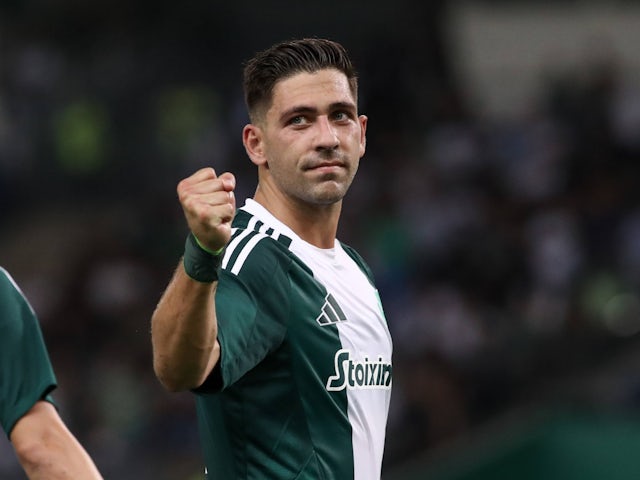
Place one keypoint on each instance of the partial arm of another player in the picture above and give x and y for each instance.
(47, 450)
(184, 326)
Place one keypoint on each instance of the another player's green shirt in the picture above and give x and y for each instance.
(26, 375)
(303, 385)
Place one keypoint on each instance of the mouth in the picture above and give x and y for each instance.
(327, 170)
(325, 166)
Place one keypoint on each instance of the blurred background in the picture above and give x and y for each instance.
(497, 205)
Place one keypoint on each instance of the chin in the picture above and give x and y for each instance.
(328, 197)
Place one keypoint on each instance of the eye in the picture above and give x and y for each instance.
(341, 116)
(297, 120)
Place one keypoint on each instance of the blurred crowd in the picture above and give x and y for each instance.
(507, 250)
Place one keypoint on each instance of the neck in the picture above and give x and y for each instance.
(315, 224)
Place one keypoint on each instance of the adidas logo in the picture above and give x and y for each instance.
(331, 312)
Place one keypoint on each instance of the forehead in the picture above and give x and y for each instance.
(312, 89)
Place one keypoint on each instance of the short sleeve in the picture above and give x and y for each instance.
(252, 308)
(26, 374)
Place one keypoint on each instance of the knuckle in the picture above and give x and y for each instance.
(202, 215)
(183, 188)
(188, 202)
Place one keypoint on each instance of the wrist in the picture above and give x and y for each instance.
(201, 263)
(208, 250)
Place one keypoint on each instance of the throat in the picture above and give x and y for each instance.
(315, 224)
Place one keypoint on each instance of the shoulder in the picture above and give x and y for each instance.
(7, 284)
(12, 300)
(255, 250)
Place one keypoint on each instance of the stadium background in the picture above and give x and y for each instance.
(497, 205)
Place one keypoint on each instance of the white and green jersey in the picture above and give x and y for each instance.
(303, 384)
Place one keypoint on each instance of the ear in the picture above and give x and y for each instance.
(363, 134)
(253, 143)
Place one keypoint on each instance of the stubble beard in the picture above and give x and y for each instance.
(311, 188)
(328, 188)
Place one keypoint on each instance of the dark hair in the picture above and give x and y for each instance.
(288, 58)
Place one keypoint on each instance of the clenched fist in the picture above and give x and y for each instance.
(209, 206)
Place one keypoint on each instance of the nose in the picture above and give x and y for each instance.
(326, 134)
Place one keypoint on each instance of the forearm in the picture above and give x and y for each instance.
(183, 326)
(47, 450)
(183, 332)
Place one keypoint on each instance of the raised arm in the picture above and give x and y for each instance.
(184, 326)
(47, 450)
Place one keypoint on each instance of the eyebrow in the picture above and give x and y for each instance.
(299, 109)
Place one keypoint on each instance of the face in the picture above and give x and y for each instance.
(310, 142)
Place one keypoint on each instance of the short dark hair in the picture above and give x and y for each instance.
(288, 58)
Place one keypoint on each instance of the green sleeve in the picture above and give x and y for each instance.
(26, 374)
(252, 308)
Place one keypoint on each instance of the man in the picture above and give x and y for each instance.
(272, 322)
(45, 447)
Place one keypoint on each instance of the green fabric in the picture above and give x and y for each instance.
(26, 375)
(270, 420)
(200, 263)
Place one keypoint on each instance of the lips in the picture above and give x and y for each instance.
(324, 164)
(328, 165)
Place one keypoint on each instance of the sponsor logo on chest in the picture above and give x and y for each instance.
(355, 374)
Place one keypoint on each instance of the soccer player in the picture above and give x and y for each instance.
(273, 323)
(45, 447)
